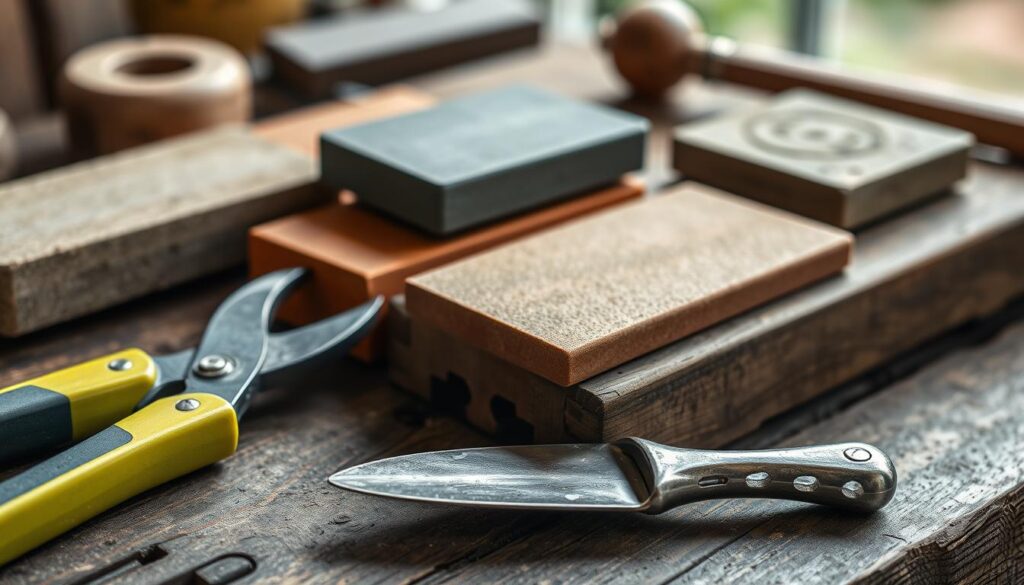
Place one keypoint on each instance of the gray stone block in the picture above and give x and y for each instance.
(483, 157)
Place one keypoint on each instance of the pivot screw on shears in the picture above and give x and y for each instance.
(187, 404)
(120, 365)
(214, 366)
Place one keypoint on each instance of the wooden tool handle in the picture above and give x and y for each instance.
(990, 120)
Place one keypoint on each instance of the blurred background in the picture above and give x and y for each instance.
(969, 42)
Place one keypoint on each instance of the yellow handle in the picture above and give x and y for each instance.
(163, 441)
(44, 413)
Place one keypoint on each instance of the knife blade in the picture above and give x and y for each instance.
(632, 475)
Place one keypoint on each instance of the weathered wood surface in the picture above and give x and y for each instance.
(954, 429)
(83, 237)
(911, 278)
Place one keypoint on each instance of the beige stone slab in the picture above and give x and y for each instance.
(826, 158)
(585, 297)
(84, 237)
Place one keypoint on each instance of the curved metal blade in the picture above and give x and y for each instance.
(238, 333)
(295, 350)
(560, 477)
(288, 353)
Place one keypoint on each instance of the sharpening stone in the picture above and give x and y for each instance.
(826, 158)
(585, 297)
(355, 253)
(483, 157)
(388, 44)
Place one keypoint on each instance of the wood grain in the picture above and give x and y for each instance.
(953, 423)
(911, 279)
(586, 297)
(380, 46)
(355, 253)
(954, 430)
(87, 236)
(828, 159)
(132, 91)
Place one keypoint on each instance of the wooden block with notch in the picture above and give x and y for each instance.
(581, 299)
(389, 44)
(483, 157)
(911, 279)
(829, 159)
(355, 253)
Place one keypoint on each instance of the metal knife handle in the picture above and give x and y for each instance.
(852, 476)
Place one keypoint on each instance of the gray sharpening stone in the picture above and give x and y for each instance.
(388, 44)
(482, 157)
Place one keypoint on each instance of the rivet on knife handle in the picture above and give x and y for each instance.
(853, 476)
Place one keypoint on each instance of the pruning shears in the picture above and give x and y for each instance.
(141, 420)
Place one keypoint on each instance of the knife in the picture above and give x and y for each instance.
(631, 475)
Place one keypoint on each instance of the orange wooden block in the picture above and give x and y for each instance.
(585, 297)
(356, 254)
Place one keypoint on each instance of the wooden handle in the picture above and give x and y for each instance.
(991, 121)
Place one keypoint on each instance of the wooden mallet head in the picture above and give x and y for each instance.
(652, 44)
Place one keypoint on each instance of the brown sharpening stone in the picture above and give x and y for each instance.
(587, 296)
(355, 253)
(826, 158)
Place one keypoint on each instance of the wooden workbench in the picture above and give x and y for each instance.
(951, 414)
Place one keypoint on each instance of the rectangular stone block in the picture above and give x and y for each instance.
(483, 157)
(586, 297)
(390, 44)
(355, 253)
(81, 238)
(829, 159)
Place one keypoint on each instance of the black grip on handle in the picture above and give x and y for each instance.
(33, 421)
